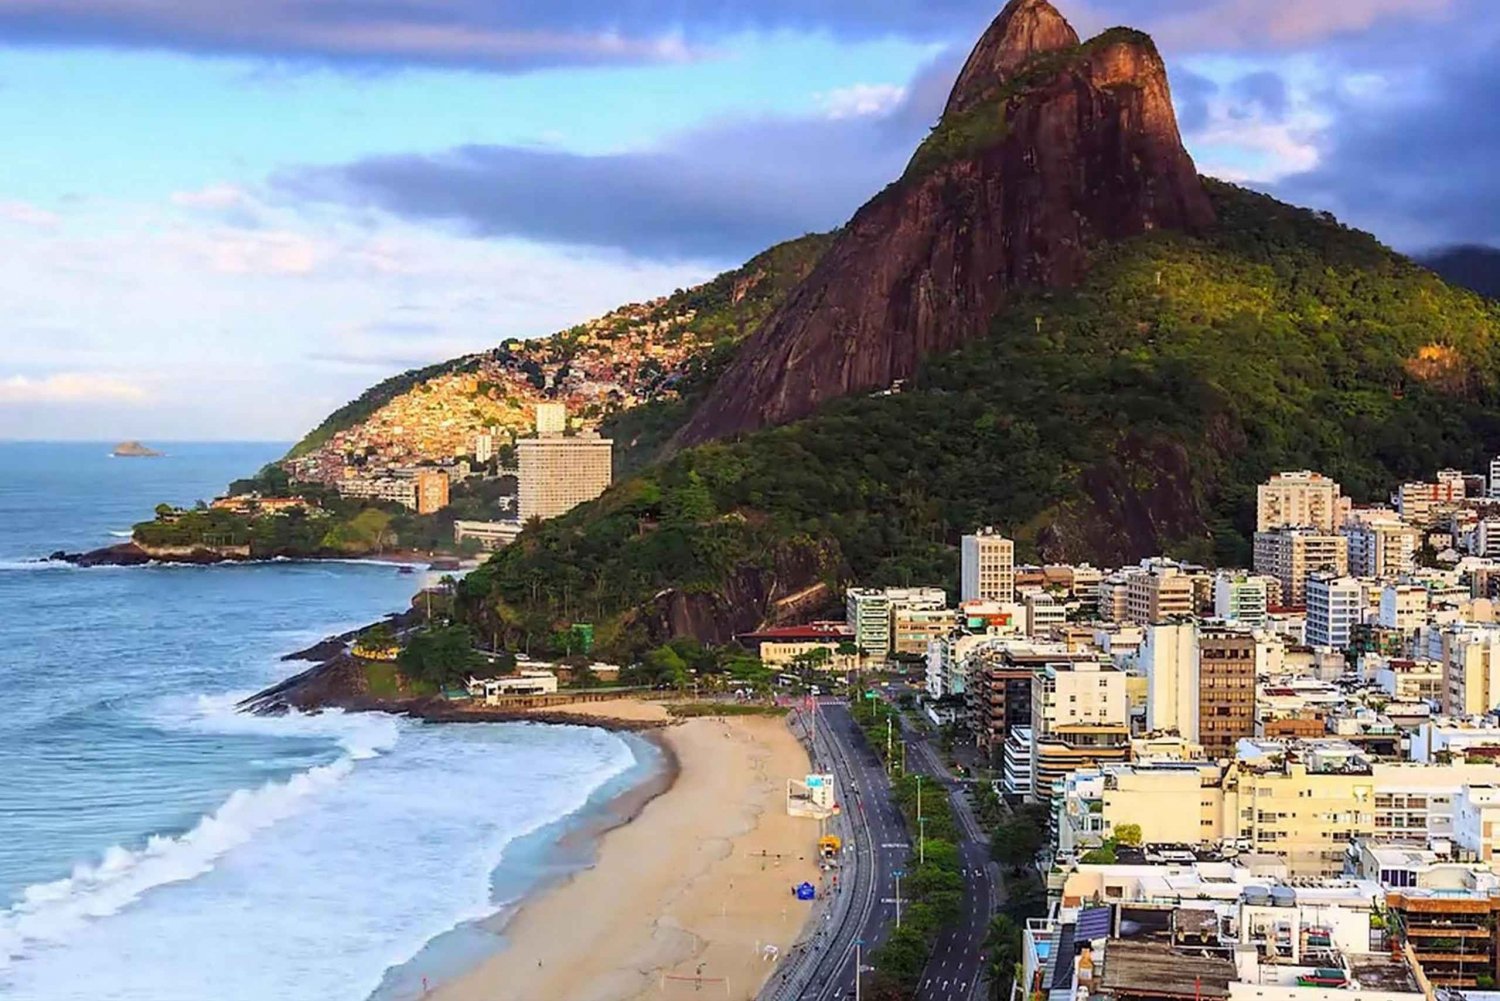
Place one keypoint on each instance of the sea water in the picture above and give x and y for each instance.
(157, 845)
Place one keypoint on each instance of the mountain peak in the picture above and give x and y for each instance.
(1023, 29)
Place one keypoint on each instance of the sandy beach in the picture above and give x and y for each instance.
(695, 887)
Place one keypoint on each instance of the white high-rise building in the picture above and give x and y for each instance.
(1495, 478)
(988, 567)
(557, 473)
(1334, 606)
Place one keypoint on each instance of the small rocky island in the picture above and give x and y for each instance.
(135, 450)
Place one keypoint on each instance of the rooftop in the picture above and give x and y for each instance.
(1150, 969)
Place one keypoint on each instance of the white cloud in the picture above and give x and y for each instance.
(213, 196)
(70, 387)
(27, 214)
(861, 100)
(258, 332)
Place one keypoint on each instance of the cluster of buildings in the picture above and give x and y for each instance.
(633, 355)
(556, 470)
(1280, 781)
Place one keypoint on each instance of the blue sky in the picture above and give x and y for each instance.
(224, 218)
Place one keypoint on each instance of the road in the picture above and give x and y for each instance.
(956, 968)
(876, 847)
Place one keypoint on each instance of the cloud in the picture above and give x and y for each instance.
(27, 214)
(69, 388)
(1260, 25)
(1413, 161)
(720, 192)
(862, 99)
(511, 36)
(522, 35)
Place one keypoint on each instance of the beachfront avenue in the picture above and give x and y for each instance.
(864, 908)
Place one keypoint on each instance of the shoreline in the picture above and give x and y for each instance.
(567, 846)
(689, 887)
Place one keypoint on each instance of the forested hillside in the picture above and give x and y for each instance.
(1131, 415)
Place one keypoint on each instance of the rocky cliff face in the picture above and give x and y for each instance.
(1048, 147)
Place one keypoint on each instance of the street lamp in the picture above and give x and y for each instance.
(898, 874)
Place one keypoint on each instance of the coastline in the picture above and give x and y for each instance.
(559, 850)
(693, 882)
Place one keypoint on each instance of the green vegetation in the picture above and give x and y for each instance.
(387, 681)
(984, 123)
(332, 526)
(725, 311)
(1132, 415)
(933, 889)
(441, 656)
(1017, 840)
(685, 663)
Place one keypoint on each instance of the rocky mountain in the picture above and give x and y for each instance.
(1048, 147)
(1102, 354)
(1473, 267)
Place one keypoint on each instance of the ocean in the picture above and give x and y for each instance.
(156, 845)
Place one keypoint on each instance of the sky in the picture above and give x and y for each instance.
(222, 219)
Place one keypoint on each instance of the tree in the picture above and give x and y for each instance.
(1017, 841)
(1003, 944)
(1128, 834)
(442, 656)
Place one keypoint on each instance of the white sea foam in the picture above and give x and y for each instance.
(50, 913)
(353, 876)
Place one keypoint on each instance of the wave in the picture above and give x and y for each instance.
(127, 534)
(48, 913)
(52, 912)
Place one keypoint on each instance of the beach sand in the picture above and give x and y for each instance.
(698, 884)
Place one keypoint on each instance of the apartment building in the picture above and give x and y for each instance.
(1335, 607)
(1291, 555)
(1171, 802)
(1079, 717)
(867, 612)
(1043, 613)
(1017, 779)
(987, 567)
(1225, 689)
(1200, 683)
(1306, 809)
(1381, 545)
(1403, 606)
(1470, 655)
(912, 629)
(1241, 598)
(1299, 500)
(1451, 928)
(1158, 593)
(1405, 680)
(431, 490)
(1422, 504)
(556, 473)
